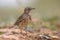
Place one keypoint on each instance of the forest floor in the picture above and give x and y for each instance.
(15, 34)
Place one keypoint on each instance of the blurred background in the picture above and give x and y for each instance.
(47, 12)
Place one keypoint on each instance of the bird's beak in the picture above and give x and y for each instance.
(32, 8)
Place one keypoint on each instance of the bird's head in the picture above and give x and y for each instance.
(28, 9)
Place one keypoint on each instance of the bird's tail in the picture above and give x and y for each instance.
(14, 26)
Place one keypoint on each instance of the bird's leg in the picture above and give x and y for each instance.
(21, 30)
(26, 32)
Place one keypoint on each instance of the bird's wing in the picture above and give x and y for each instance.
(19, 20)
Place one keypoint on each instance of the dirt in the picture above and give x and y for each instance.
(15, 34)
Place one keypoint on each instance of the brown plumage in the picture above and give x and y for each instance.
(24, 19)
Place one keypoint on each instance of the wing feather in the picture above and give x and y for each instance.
(19, 20)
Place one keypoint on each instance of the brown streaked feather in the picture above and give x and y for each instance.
(19, 20)
(23, 20)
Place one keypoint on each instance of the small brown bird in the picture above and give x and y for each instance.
(24, 19)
